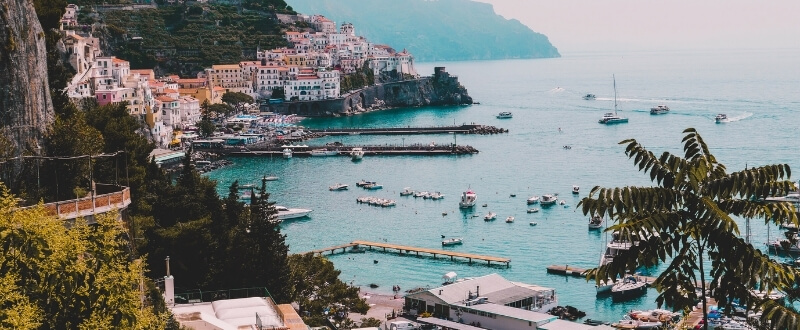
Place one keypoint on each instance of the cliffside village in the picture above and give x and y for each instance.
(308, 70)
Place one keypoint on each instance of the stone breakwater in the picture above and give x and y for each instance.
(439, 89)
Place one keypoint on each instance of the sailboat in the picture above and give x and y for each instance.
(612, 117)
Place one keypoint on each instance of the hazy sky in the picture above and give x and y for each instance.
(591, 25)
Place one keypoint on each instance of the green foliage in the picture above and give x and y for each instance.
(370, 322)
(58, 278)
(278, 93)
(268, 5)
(360, 79)
(49, 13)
(237, 100)
(316, 285)
(69, 137)
(692, 208)
(444, 30)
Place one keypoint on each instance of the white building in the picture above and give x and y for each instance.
(489, 301)
(189, 110)
(233, 314)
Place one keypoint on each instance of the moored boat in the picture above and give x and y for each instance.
(533, 210)
(576, 190)
(468, 199)
(490, 216)
(612, 117)
(504, 114)
(548, 199)
(596, 222)
(324, 152)
(363, 183)
(423, 194)
(357, 153)
(338, 186)
(436, 195)
(510, 219)
(287, 153)
(589, 97)
(659, 109)
(285, 213)
(452, 241)
(373, 186)
(628, 288)
(407, 192)
(533, 200)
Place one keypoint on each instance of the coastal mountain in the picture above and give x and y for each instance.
(442, 30)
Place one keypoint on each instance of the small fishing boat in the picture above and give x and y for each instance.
(510, 219)
(490, 216)
(533, 210)
(596, 222)
(287, 153)
(435, 196)
(721, 118)
(659, 109)
(589, 97)
(373, 186)
(407, 192)
(270, 178)
(504, 115)
(576, 190)
(422, 194)
(363, 183)
(338, 187)
(548, 199)
(468, 199)
(357, 153)
(533, 200)
(484, 205)
(452, 241)
(533, 223)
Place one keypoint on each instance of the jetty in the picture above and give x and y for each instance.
(579, 272)
(369, 150)
(411, 250)
(462, 129)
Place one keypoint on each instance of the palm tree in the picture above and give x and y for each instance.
(686, 219)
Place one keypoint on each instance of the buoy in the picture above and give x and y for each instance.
(374, 261)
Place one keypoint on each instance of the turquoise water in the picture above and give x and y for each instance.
(758, 90)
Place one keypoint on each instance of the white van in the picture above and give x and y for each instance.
(402, 325)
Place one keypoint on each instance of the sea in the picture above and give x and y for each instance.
(759, 90)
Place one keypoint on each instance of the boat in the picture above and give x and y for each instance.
(533, 223)
(363, 183)
(548, 199)
(510, 219)
(338, 186)
(721, 118)
(659, 109)
(533, 210)
(468, 199)
(484, 205)
(324, 152)
(285, 213)
(270, 178)
(357, 153)
(490, 216)
(423, 194)
(435, 196)
(504, 115)
(612, 117)
(629, 287)
(635, 324)
(562, 202)
(407, 192)
(357, 249)
(576, 190)
(533, 200)
(596, 222)
(589, 97)
(287, 153)
(373, 186)
(452, 241)
(612, 249)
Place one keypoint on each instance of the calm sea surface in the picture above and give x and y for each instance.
(758, 90)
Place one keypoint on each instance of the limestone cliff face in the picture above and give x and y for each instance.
(25, 105)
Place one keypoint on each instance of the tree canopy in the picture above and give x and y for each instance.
(688, 221)
(237, 100)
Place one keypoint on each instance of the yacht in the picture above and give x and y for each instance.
(452, 241)
(533, 200)
(505, 114)
(576, 190)
(490, 216)
(612, 249)
(357, 153)
(659, 109)
(468, 199)
(589, 97)
(406, 192)
(324, 152)
(629, 287)
(612, 117)
(287, 153)
(338, 186)
(285, 213)
(510, 219)
(721, 118)
(548, 199)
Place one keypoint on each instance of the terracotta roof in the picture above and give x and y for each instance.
(164, 98)
(170, 90)
(191, 80)
(225, 66)
(117, 60)
(217, 88)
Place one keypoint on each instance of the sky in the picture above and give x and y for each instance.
(631, 25)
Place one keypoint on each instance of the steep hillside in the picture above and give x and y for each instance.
(435, 30)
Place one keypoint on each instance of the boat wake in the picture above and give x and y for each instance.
(739, 117)
(556, 90)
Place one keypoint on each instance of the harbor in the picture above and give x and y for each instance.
(461, 129)
(411, 250)
(369, 150)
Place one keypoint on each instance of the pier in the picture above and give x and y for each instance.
(462, 129)
(369, 150)
(411, 250)
(578, 272)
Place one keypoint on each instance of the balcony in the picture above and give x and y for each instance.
(105, 199)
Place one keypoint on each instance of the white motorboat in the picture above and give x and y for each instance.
(659, 109)
(287, 153)
(612, 249)
(285, 213)
(510, 219)
(533, 210)
(436, 195)
(548, 199)
(576, 190)
(721, 118)
(407, 192)
(270, 178)
(629, 287)
(504, 114)
(490, 216)
(357, 153)
(373, 186)
(468, 199)
(533, 200)
(635, 324)
(596, 222)
(452, 241)
(338, 186)
(324, 152)
(423, 194)
(533, 223)
(612, 117)
(589, 97)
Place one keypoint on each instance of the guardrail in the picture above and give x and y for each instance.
(87, 207)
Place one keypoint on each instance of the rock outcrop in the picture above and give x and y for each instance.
(25, 105)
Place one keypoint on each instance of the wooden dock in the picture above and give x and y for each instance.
(578, 272)
(411, 250)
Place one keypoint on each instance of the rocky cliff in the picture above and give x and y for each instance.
(25, 105)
